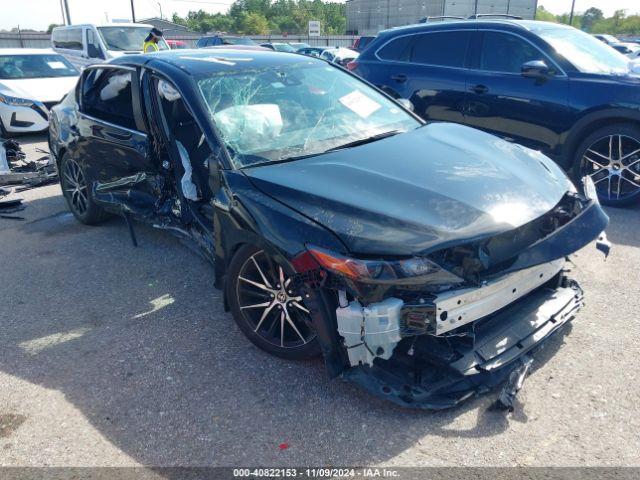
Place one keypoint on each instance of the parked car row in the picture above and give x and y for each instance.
(546, 86)
(630, 49)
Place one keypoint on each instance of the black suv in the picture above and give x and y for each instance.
(547, 86)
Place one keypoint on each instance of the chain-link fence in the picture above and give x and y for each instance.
(43, 40)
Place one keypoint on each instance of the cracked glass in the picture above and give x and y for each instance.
(286, 112)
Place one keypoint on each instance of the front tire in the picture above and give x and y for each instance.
(77, 192)
(267, 308)
(611, 157)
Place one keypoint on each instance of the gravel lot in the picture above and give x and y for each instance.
(116, 356)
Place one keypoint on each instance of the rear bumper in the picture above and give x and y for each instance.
(423, 374)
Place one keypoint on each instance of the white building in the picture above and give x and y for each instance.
(367, 17)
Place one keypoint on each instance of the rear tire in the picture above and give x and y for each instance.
(267, 308)
(611, 156)
(77, 192)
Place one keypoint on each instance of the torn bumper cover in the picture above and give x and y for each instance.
(465, 366)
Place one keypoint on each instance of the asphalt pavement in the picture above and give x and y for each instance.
(112, 355)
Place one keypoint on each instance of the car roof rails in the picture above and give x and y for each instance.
(499, 15)
(440, 17)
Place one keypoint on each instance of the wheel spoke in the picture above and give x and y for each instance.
(601, 178)
(293, 325)
(70, 179)
(630, 181)
(297, 305)
(264, 315)
(594, 162)
(256, 305)
(619, 147)
(255, 284)
(599, 154)
(264, 279)
(281, 278)
(610, 147)
(632, 164)
(631, 155)
(282, 316)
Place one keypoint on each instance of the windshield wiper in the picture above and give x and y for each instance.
(362, 141)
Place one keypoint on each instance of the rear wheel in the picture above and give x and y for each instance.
(611, 157)
(76, 191)
(267, 307)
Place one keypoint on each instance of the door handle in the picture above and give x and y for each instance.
(479, 89)
(400, 78)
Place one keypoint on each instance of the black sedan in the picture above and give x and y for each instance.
(423, 262)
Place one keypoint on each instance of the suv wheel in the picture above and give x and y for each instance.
(76, 191)
(611, 157)
(267, 307)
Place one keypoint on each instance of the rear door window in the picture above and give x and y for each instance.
(106, 95)
(397, 50)
(506, 53)
(444, 49)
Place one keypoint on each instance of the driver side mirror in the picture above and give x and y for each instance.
(537, 69)
(406, 103)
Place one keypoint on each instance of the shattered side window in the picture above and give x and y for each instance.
(106, 95)
(279, 113)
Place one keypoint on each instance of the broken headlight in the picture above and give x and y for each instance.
(413, 270)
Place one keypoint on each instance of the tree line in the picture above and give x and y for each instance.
(262, 17)
(594, 21)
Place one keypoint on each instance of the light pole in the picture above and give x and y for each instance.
(573, 6)
(64, 19)
(160, 6)
(133, 13)
(66, 11)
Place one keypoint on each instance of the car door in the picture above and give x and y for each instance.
(112, 140)
(531, 111)
(94, 50)
(428, 69)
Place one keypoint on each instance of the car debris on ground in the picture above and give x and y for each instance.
(17, 174)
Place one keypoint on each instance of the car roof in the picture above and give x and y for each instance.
(531, 25)
(203, 61)
(27, 51)
(124, 25)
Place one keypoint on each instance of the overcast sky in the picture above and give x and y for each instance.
(38, 14)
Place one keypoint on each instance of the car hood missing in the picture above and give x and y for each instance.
(412, 193)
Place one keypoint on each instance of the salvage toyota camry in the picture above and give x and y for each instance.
(424, 262)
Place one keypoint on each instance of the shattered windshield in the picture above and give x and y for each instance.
(285, 112)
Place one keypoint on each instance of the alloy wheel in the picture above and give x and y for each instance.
(613, 163)
(75, 186)
(271, 305)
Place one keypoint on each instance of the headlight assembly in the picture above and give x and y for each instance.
(409, 270)
(15, 101)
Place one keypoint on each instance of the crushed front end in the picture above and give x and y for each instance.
(435, 329)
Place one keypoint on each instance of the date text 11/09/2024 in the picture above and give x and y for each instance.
(367, 472)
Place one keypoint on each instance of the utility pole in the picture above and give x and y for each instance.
(133, 13)
(573, 6)
(64, 19)
(66, 11)
(475, 8)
